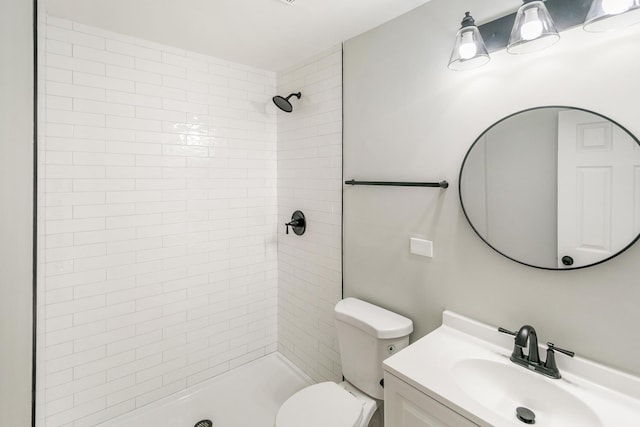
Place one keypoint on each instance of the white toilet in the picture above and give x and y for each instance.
(367, 335)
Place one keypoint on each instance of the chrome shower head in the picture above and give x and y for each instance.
(283, 103)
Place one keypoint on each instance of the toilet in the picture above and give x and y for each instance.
(367, 334)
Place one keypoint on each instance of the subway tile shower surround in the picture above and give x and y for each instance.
(164, 184)
(309, 179)
(158, 222)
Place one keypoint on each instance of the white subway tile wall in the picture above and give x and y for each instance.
(158, 221)
(309, 179)
(42, 242)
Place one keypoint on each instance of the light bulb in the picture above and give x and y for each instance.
(532, 27)
(467, 48)
(614, 7)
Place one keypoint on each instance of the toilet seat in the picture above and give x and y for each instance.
(321, 405)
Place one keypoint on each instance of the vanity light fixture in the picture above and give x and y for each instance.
(536, 25)
(533, 29)
(606, 15)
(469, 50)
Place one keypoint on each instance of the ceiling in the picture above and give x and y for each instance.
(268, 34)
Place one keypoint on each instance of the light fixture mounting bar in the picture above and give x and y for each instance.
(565, 13)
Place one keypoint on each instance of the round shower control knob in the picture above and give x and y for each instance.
(298, 223)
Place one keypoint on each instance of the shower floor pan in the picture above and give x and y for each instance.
(249, 395)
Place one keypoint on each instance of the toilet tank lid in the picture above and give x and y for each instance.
(374, 320)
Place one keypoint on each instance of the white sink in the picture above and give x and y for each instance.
(465, 365)
(504, 387)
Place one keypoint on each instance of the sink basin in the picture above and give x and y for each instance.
(464, 365)
(502, 388)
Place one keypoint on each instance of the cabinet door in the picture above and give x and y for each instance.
(405, 406)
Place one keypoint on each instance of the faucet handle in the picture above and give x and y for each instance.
(506, 331)
(551, 346)
(550, 363)
(517, 351)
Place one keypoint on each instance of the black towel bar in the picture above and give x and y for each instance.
(442, 184)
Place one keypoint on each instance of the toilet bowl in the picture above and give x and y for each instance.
(367, 334)
(327, 404)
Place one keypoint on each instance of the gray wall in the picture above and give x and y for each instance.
(524, 149)
(407, 117)
(16, 193)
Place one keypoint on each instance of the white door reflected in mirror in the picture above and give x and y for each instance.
(597, 175)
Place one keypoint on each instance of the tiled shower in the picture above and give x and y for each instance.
(165, 179)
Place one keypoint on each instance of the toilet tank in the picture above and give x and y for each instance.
(368, 334)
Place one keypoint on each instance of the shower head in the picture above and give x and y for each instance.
(283, 103)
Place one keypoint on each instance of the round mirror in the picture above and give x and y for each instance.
(554, 187)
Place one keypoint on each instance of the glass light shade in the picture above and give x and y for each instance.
(606, 15)
(533, 29)
(469, 50)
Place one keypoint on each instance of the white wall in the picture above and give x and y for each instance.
(16, 211)
(309, 179)
(407, 117)
(160, 219)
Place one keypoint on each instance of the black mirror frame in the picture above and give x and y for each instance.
(497, 123)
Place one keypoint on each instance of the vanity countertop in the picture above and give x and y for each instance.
(464, 364)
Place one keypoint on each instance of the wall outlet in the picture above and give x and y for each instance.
(421, 247)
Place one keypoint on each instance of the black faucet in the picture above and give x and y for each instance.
(527, 337)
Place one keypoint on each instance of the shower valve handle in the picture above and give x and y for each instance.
(293, 223)
(298, 223)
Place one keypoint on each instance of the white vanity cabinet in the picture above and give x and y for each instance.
(406, 406)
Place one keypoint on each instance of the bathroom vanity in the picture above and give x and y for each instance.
(407, 406)
(461, 375)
